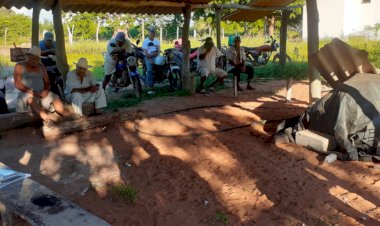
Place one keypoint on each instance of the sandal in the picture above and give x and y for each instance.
(211, 89)
(202, 91)
(250, 87)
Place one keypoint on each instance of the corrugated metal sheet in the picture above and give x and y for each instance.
(111, 6)
(252, 16)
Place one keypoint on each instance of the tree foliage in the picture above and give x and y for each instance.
(18, 27)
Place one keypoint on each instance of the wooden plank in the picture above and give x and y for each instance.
(87, 123)
(16, 119)
(40, 206)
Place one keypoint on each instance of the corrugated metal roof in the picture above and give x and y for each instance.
(111, 6)
(251, 16)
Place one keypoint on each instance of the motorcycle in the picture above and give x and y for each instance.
(126, 71)
(261, 55)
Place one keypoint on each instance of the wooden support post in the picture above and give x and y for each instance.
(186, 50)
(283, 37)
(312, 47)
(218, 12)
(35, 22)
(60, 40)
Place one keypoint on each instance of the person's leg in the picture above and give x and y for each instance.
(77, 101)
(149, 72)
(249, 71)
(236, 72)
(35, 105)
(106, 80)
(203, 73)
(220, 76)
(100, 99)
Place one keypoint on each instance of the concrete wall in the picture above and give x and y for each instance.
(340, 18)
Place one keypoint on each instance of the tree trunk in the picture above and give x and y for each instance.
(97, 30)
(245, 28)
(60, 40)
(143, 30)
(209, 31)
(195, 33)
(218, 12)
(177, 32)
(312, 47)
(70, 33)
(35, 23)
(161, 34)
(271, 25)
(5, 36)
(186, 79)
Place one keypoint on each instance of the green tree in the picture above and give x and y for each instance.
(14, 27)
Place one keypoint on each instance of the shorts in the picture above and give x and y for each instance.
(22, 105)
(204, 72)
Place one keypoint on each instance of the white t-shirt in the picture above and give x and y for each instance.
(209, 61)
(109, 63)
(151, 46)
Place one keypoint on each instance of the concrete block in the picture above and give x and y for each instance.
(316, 141)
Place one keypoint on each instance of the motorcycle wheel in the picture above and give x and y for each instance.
(176, 79)
(137, 86)
(276, 58)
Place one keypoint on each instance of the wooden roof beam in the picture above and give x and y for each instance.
(128, 4)
(245, 7)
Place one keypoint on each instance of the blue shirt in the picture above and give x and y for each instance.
(44, 47)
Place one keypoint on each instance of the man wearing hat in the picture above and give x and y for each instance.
(236, 63)
(119, 41)
(82, 87)
(48, 45)
(207, 55)
(151, 48)
(32, 80)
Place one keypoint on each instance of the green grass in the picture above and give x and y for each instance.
(221, 217)
(126, 192)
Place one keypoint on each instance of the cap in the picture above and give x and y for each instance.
(83, 63)
(120, 37)
(208, 39)
(48, 36)
(152, 30)
(237, 38)
(35, 51)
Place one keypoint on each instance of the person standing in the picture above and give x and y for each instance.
(82, 87)
(207, 55)
(151, 48)
(236, 63)
(119, 41)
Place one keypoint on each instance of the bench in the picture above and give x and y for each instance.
(40, 206)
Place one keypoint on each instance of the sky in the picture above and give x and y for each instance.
(43, 15)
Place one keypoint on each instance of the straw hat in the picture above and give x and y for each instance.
(83, 63)
(35, 51)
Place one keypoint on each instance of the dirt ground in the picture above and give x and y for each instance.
(233, 176)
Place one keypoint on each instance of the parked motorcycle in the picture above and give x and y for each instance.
(262, 54)
(126, 71)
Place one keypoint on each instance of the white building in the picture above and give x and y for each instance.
(341, 18)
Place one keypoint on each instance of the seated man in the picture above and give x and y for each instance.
(81, 87)
(207, 55)
(236, 63)
(47, 45)
(32, 80)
